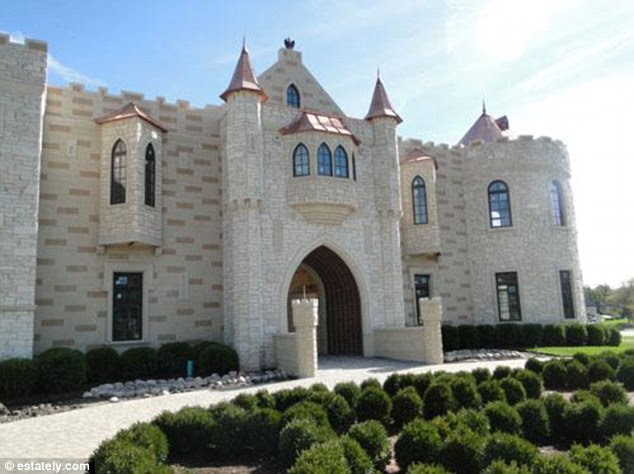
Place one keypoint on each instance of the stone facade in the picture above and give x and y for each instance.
(232, 223)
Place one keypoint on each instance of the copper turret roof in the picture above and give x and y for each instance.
(243, 77)
(380, 105)
(127, 111)
(486, 129)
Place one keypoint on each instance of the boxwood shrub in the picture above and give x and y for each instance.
(532, 335)
(596, 335)
(534, 365)
(576, 375)
(613, 337)
(190, 430)
(373, 404)
(358, 460)
(625, 373)
(617, 419)
(350, 391)
(623, 447)
(103, 365)
(535, 422)
(554, 335)
(509, 335)
(299, 435)
(599, 370)
(438, 400)
(305, 409)
(324, 458)
(418, 468)
(490, 391)
(290, 396)
(340, 415)
(172, 359)
(450, 338)
(17, 378)
(468, 336)
(501, 372)
(581, 422)
(576, 334)
(596, 459)
(60, 370)
(609, 392)
(514, 390)
(554, 375)
(463, 451)
(465, 392)
(406, 405)
(418, 441)
(219, 359)
(261, 431)
(372, 437)
(531, 382)
(509, 448)
(503, 417)
(488, 336)
(138, 363)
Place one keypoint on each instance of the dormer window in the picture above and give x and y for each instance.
(150, 175)
(292, 96)
(324, 160)
(118, 173)
(341, 162)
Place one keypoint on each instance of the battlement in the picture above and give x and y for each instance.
(30, 44)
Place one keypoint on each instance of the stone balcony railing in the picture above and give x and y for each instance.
(322, 199)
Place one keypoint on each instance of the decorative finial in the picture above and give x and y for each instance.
(484, 108)
(378, 74)
(244, 43)
(289, 43)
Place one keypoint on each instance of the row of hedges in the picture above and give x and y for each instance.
(515, 335)
(62, 370)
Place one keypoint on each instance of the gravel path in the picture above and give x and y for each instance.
(75, 434)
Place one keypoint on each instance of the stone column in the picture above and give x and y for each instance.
(305, 318)
(431, 315)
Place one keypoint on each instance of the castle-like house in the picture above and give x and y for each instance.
(126, 221)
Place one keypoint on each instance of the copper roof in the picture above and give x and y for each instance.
(380, 105)
(312, 121)
(485, 129)
(243, 77)
(416, 154)
(127, 111)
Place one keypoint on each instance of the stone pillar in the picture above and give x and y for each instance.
(305, 318)
(431, 315)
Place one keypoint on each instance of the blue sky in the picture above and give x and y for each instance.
(560, 68)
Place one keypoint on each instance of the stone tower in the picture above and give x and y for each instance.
(22, 96)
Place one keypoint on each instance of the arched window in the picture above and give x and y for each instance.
(341, 162)
(557, 203)
(292, 96)
(419, 200)
(301, 164)
(118, 173)
(150, 175)
(324, 160)
(499, 205)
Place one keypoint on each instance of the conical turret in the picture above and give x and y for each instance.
(380, 105)
(243, 77)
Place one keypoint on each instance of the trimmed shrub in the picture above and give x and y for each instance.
(491, 392)
(475, 420)
(625, 373)
(418, 468)
(556, 464)
(623, 447)
(422, 383)
(265, 399)
(372, 437)
(340, 415)
(261, 431)
(576, 335)
(554, 375)
(581, 396)
(555, 405)
(535, 422)
(121, 456)
(581, 422)
(247, 401)
(189, 431)
(196, 350)
(531, 381)
(358, 460)
(462, 452)
(609, 392)
(229, 436)
(613, 337)
(305, 409)
(450, 339)
(576, 375)
(534, 365)
(581, 357)
(508, 335)
(509, 448)
(103, 365)
(532, 335)
(596, 335)
(406, 406)
(465, 392)
(503, 417)
(599, 370)
(299, 435)
(514, 390)
(147, 436)
(138, 363)
(171, 359)
(501, 372)
(595, 459)
(324, 458)
(373, 404)
(288, 397)
(419, 441)
(481, 374)
(611, 358)
(554, 335)
(17, 378)
(218, 359)
(60, 370)
(617, 420)
(500, 467)
(392, 384)
(488, 336)
(438, 400)
(371, 382)
(350, 391)
(468, 336)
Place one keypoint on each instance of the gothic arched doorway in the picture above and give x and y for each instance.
(324, 275)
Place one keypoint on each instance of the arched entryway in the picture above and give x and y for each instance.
(324, 275)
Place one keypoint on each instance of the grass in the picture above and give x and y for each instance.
(611, 323)
(626, 343)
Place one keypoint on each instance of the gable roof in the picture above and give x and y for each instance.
(380, 105)
(243, 77)
(314, 122)
(127, 111)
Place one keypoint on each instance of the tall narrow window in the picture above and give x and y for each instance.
(150, 175)
(421, 290)
(292, 96)
(508, 296)
(419, 200)
(118, 173)
(499, 205)
(301, 163)
(566, 294)
(557, 204)
(127, 306)
(354, 167)
(341, 162)
(324, 160)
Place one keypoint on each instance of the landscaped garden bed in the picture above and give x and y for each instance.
(467, 423)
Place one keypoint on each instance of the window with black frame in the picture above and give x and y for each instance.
(557, 204)
(118, 166)
(421, 290)
(150, 176)
(127, 306)
(565, 280)
(324, 160)
(301, 163)
(419, 200)
(508, 296)
(341, 162)
(292, 96)
(499, 205)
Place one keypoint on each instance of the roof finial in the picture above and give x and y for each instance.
(289, 43)
(378, 74)
(484, 107)
(244, 43)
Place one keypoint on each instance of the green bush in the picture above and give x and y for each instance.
(358, 460)
(218, 359)
(372, 437)
(581, 357)
(581, 396)
(462, 452)
(371, 382)
(534, 365)
(501, 372)
(596, 335)
(475, 420)
(554, 335)
(531, 381)
(625, 373)
(500, 467)
(556, 464)
(340, 415)
(535, 422)
(554, 375)
(465, 392)
(595, 459)
(438, 400)
(509, 448)
(532, 335)
(299, 435)
(609, 392)
(196, 350)
(503, 417)
(422, 382)
(576, 335)
(60, 370)
(171, 359)
(491, 391)
(613, 337)
(450, 339)
(509, 335)
(103, 365)
(418, 468)
(350, 391)
(481, 374)
(261, 431)
(18, 378)
(286, 398)
(406, 405)
(324, 458)
(305, 409)
(599, 370)
(468, 336)
(189, 431)
(265, 399)
(392, 384)
(419, 441)
(617, 419)
(121, 456)
(513, 390)
(373, 404)
(581, 422)
(147, 436)
(623, 447)
(488, 336)
(612, 359)
(247, 401)
(576, 375)
(138, 363)
(555, 405)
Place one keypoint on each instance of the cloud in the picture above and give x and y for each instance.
(69, 74)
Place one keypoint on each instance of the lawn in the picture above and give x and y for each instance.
(626, 343)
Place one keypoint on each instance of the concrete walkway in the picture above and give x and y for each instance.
(76, 433)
